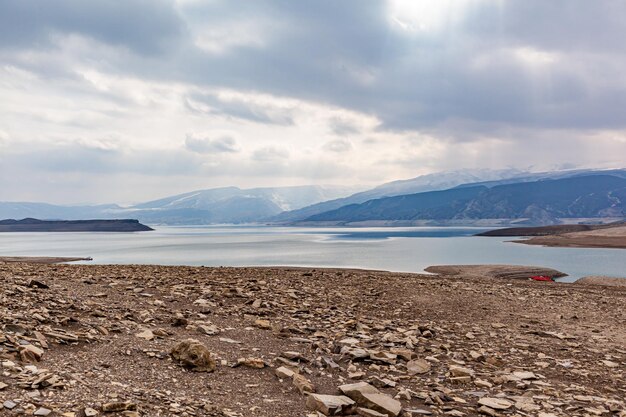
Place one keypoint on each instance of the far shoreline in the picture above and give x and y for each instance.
(42, 259)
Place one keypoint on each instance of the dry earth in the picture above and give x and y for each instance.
(95, 340)
(614, 237)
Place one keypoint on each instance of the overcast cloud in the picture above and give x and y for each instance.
(122, 101)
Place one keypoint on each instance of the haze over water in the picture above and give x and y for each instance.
(396, 249)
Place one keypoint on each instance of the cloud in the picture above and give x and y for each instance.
(406, 87)
(270, 154)
(343, 127)
(239, 107)
(205, 145)
(338, 146)
(144, 26)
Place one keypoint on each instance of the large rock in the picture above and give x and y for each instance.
(302, 384)
(193, 355)
(356, 391)
(368, 396)
(382, 403)
(331, 405)
(30, 353)
(418, 366)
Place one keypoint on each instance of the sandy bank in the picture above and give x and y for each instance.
(494, 271)
(602, 280)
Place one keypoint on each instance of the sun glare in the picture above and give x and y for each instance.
(423, 15)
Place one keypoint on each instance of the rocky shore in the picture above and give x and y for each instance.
(97, 340)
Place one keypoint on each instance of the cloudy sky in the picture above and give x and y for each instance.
(126, 100)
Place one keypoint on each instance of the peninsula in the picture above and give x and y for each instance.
(35, 225)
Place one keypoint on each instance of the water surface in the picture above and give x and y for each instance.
(394, 249)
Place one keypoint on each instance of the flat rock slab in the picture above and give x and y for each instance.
(495, 403)
(382, 403)
(331, 405)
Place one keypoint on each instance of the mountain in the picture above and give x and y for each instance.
(435, 182)
(232, 204)
(20, 210)
(542, 202)
(429, 182)
(218, 205)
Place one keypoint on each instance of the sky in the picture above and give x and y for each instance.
(129, 100)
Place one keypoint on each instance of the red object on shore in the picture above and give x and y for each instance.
(541, 278)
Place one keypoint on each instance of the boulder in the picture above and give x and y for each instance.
(382, 403)
(418, 366)
(356, 391)
(193, 355)
(331, 405)
(302, 384)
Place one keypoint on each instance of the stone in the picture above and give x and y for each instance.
(382, 382)
(251, 362)
(230, 341)
(114, 407)
(9, 405)
(357, 391)
(263, 324)
(42, 412)
(330, 405)
(90, 412)
(146, 334)
(193, 355)
(422, 412)
(495, 403)
(488, 411)
(33, 283)
(208, 329)
(283, 372)
(459, 371)
(3, 386)
(610, 364)
(302, 384)
(384, 357)
(418, 366)
(366, 412)
(30, 353)
(524, 375)
(382, 403)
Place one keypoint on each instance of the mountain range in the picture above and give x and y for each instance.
(461, 196)
(541, 202)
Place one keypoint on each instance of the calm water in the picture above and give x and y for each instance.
(394, 249)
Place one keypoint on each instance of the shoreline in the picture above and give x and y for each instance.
(492, 271)
(42, 259)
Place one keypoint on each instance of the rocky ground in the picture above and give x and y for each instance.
(93, 340)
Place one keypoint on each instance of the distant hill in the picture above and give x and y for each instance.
(217, 205)
(35, 225)
(423, 183)
(287, 205)
(543, 202)
(20, 210)
(232, 204)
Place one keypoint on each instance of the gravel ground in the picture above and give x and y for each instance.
(79, 340)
